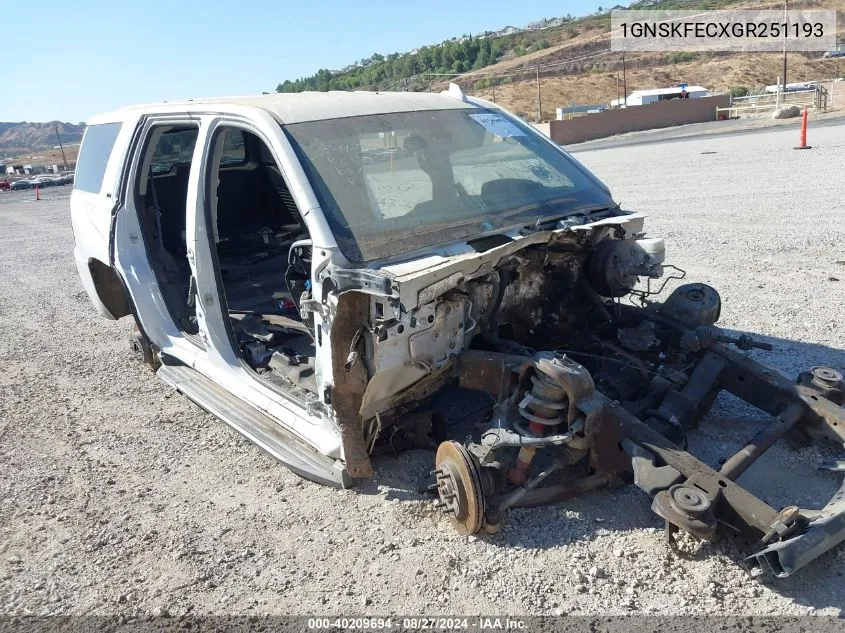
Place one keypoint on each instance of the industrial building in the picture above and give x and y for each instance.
(643, 97)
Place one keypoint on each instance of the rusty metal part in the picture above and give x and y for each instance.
(760, 443)
(687, 493)
(648, 476)
(753, 515)
(459, 487)
(532, 495)
(770, 391)
(143, 349)
(705, 336)
(492, 372)
(347, 392)
(576, 381)
(827, 381)
(787, 521)
(825, 531)
(681, 409)
(500, 437)
(801, 535)
(687, 507)
(826, 377)
(518, 474)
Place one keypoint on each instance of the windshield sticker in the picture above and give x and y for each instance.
(497, 124)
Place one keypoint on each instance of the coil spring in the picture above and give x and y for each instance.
(544, 403)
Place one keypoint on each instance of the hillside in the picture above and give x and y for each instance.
(18, 138)
(574, 61)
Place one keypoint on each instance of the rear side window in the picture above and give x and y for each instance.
(175, 147)
(234, 149)
(94, 156)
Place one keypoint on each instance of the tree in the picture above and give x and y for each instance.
(482, 60)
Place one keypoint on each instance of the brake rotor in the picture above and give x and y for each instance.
(459, 487)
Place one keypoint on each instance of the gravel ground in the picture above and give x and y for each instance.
(121, 497)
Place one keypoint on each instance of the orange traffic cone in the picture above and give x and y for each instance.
(37, 193)
(803, 140)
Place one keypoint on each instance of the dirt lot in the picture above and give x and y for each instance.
(121, 497)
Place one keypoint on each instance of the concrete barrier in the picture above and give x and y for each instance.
(634, 118)
(836, 98)
(542, 127)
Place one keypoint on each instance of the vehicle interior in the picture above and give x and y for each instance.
(162, 190)
(264, 257)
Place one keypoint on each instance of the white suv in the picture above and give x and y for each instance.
(316, 268)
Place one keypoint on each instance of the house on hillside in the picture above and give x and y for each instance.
(545, 23)
(643, 97)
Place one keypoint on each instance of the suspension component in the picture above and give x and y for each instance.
(542, 407)
(462, 486)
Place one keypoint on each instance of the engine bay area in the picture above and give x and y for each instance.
(595, 383)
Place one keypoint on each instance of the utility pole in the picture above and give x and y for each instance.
(624, 81)
(539, 102)
(785, 9)
(61, 147)
(617, 88)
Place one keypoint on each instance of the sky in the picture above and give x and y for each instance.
(70, 59)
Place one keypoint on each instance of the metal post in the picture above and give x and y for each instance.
(624, 81)
(785, 8)
(61, 147)
(494, 93)
(617, 89)
(539, 102)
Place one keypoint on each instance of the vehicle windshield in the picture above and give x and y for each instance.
(393, 183)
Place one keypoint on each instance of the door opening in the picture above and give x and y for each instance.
(263, 253)
(162, 191)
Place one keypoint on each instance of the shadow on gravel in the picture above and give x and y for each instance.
(783, 476)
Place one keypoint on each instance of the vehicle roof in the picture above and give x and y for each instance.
(306, 106)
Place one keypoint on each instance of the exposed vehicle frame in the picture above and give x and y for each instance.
(550, 308)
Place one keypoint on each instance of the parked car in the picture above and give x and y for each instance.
(317, 293)
(42, 181)
(834, 54)
(21, 184)
(4, 185)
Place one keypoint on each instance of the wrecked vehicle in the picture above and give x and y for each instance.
(314, 269)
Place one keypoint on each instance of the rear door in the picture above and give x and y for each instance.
(157, 278)
(96, 183)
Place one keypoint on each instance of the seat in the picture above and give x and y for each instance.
(275, 195)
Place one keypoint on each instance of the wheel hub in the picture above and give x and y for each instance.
(459, 490)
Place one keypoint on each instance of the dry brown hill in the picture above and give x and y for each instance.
(578, 66)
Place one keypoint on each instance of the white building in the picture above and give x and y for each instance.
(796, 87)
(643, 97)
